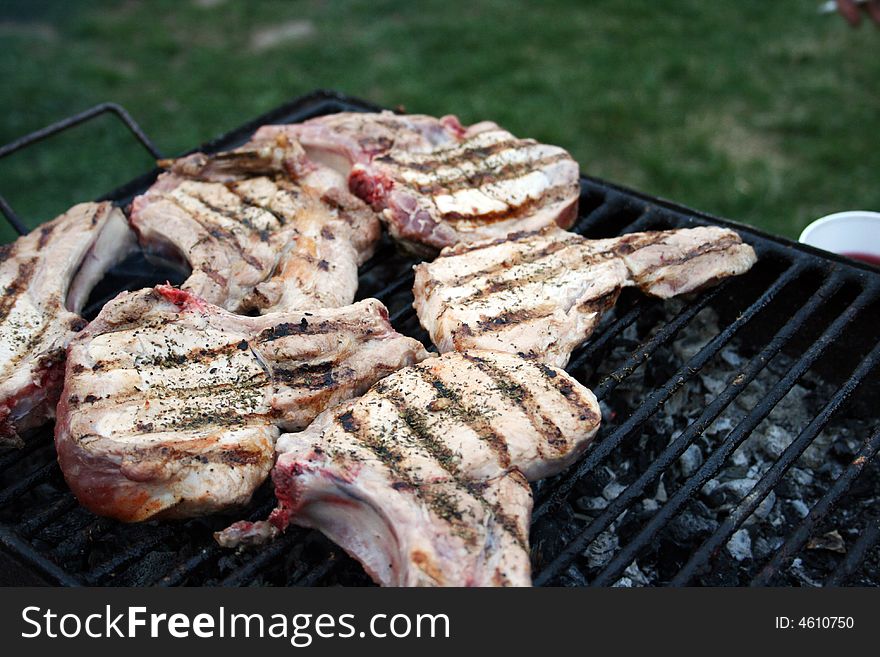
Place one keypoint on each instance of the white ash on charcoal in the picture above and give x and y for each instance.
(775, 517)
(740, 545)
(633, 576)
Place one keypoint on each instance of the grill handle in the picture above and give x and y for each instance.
(60, 126)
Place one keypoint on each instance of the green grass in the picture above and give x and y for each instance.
(764, 112)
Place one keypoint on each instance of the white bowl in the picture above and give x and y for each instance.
(853, 233)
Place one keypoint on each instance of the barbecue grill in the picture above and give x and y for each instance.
(658, 499)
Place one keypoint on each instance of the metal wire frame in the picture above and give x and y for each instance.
(605, 209)
(65, 124)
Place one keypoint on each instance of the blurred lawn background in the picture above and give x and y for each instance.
(761, 111)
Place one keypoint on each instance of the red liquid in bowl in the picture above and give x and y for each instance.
(870, 258)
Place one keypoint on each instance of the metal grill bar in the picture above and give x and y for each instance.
(761, 489)
(182, 571)
(24, 484)
(713, 464)
(12, 217)
(591, 199)
(638, 224)
(869, 537)
(14, 456)
(75, 543)
(134, 552)
(596, 345)
(55, 510)
(319, 572)
(841, 485)
(22, 550)
(398, 285)
(404, 313)
(601, 451)
(615, 207)
(264, 558)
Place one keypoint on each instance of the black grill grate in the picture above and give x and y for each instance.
(817, 311)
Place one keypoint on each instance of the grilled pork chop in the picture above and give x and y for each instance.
(262, 228)
(45, 279)
(438, 183)
(171, 406)
(424, 478)
(542, 293)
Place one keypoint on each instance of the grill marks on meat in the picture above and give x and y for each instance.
(171, 406)
(486, 186)
(542, 293)
(438, 183)
(424, 478)
(45, 279)
(262, 228)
